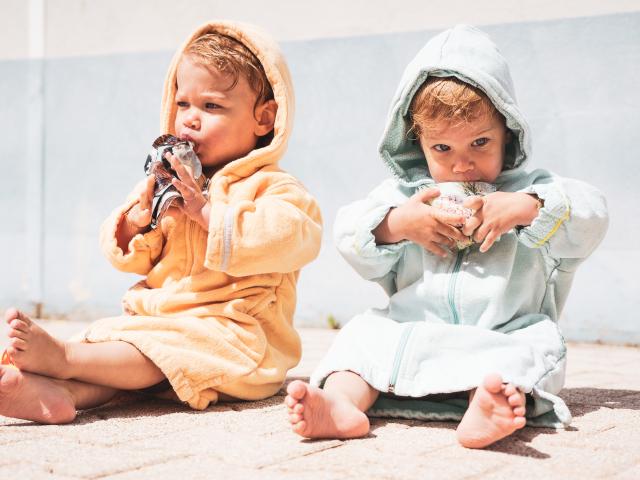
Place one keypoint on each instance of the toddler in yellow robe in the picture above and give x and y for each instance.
(213, 315)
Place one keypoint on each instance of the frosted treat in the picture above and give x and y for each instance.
(453, 194)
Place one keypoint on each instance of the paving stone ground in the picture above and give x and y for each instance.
(140, 438)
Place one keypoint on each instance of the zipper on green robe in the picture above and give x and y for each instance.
(452, 286)
(398, 358)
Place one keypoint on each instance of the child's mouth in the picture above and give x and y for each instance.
(194, 144)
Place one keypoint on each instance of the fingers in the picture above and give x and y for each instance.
(481, 232)
(146, 196)
(151, 186)
(471, 224)
(474, 203)
(184, 174)
(140, 214)
(436, 248)
(443, 240)
(453, 233)
(193, 199)
(489, 240)
(185, 183)
(448, 218)
(184, 190)
(426, 195)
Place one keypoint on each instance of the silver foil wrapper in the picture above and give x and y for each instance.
(165, 194)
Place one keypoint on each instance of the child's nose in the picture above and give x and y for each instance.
(191, 121)
(462, 165)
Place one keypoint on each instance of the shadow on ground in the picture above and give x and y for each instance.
(581, 401)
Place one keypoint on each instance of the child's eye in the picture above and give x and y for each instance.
(182, 104)
(440, 147)
(211, 106)
(479, 142)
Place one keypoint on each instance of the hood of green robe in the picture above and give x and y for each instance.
(468, 54)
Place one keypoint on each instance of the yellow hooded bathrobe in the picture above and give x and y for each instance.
(215, 310)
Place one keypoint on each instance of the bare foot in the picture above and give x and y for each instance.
(32, 349)
(494, 412)
(34, 397)
(314, 413)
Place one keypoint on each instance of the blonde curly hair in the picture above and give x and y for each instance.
(447, 100)
(231, 58)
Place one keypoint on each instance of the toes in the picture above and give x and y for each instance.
(13, 313)
(300, 427)
(299, 409)
(519, 411)
(19, 325)
(289, 401)
(12, 352)
(493, 383)
(16, 334)
(17, 345)
(297, 389)
(295, 418)
(509, 390)
(519, 422)
(516, 399)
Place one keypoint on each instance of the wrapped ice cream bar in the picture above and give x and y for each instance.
(165, 194)
(452, 196)
(182, 149)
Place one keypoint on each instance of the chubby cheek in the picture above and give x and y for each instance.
(496, 169)
(438, 174)
(226, 142)
(491, 172)
(177, 124)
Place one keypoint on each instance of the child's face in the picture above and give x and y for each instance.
(221, 122)
(469, 152)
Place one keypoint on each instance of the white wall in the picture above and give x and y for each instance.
(98, 27)
(101, 64)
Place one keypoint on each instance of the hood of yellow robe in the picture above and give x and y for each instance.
(275, 67)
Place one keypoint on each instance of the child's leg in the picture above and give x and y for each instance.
(114, 364)
(42, 399)
(495, 411)
(337, 411)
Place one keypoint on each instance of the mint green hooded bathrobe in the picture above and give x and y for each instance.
(450, 322)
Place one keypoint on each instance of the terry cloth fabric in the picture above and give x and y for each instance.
(215, 309)
(450, 322)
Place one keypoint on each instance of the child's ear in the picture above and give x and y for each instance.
(266, 117)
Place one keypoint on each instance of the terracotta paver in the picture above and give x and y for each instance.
(139, 438)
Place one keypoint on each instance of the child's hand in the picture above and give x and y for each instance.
(429, 227)
(497, 213)
(195, 204)
(139, 216)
